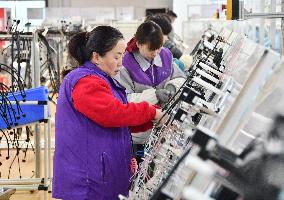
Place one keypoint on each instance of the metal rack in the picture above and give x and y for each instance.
(36, 183)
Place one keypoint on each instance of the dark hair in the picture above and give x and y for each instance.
(150, 33)
(177, 53)
(163, 21)
(172, 13)
(100, 40)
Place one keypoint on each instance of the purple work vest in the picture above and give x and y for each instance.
(91, 162)
(154, 75)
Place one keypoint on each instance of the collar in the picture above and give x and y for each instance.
(94, 67)
(145, 64)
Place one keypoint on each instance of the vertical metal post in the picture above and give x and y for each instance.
(59, 55)
(37, 151)
(262, 23)
(60, 60)
(36, 83)
(36, 64)
(49, 148)
(282, 29)
(272, 25)
(46, 158)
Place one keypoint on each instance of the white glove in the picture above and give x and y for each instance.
(187, 60)
(174, 84)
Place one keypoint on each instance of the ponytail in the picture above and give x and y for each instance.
(77, 47)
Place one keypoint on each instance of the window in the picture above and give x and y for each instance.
(35, 13)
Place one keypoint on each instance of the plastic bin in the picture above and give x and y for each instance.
(33, 108)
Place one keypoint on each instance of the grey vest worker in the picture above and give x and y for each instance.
(142, 81)
(91, 162)
(152, 76)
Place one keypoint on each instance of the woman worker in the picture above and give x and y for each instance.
(92, 136)
(149, 73)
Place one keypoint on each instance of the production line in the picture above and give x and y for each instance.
(83, 98)
(195, 115)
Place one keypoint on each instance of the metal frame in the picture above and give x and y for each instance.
(35, 183)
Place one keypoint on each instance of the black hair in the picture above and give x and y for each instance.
(100, 40)
(150, 33)
(172, 13)
(163, 21)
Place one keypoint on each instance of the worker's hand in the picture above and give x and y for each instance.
(171, 88)
(160, 118)
(187, 61)
(158, 115)
(163, 95)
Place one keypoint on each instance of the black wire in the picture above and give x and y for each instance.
(3, 133)
(12, 58)
(20, 81)
(8, 111)
(4, 97)
(53, 74)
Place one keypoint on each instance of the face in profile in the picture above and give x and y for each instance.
(147, 53)
(111, 62)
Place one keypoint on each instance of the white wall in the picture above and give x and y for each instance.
(19, 11)
(180, 7)
(139, 5)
